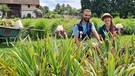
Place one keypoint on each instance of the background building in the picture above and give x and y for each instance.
(21, 8)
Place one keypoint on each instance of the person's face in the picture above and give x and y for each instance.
(107, 20)
(86, 16)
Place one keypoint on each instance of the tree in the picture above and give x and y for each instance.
(37, 12)
(57, 8)
(69, 9)
(85, 4)
(123, 7)
(4, 9)
(133, 8)
(45, 9)
(62, 9)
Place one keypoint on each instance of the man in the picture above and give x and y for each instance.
(84, 27)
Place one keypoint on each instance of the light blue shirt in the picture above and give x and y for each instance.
(76, 31)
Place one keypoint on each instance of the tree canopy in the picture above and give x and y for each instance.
(122, 8)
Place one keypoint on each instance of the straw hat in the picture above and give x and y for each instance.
(106, 15)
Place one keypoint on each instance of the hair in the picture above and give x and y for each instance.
(112, 27)
(86, 10)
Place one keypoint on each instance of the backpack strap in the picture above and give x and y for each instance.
(80, 28)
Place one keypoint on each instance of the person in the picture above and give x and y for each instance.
(84, 27)
(107, 27)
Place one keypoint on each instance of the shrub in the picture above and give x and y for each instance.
(129, 26)
(13, 16)
(54, 25)
(27, 22)
(95, 21)
(117, 20)
(69, 29)
(68, 24)
(40, 25)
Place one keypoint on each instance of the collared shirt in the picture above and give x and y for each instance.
(103, 29)
(76, 30)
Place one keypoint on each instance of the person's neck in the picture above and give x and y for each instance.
(83, 21)
(107, 26)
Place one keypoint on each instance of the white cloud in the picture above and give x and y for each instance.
(52, 3)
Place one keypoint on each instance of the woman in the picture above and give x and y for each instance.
(107, 27)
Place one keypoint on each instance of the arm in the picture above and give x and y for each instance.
(96, 35)
(100, 33)
(101, 37)
(76, 40)
(76, 34)
(95, 32)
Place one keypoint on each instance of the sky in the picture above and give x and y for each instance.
(52, 3)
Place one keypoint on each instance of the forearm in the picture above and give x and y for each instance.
(76, 40)
(101, 38)
(96, 35)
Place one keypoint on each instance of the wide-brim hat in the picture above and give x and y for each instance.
(106, 15)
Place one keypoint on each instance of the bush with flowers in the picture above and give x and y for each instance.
(60, 32)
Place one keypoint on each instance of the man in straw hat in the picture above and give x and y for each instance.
(84, 28)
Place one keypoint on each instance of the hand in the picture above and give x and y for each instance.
(100, 42)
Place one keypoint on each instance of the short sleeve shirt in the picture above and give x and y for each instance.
(101, 31)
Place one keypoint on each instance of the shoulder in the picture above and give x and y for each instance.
(91, 24)
(78, 23)
(75, 27)
(102, 27)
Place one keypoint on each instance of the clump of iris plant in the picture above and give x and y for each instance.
(60, 32)
(119, 26)
(117, 31)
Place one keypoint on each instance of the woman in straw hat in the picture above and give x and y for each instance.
(107, 27)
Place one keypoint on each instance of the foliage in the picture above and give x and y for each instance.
(37, 13)
(54, 25)
(115, 7)
(59, 11)
(49, 57)
(45, 9)
(4, 8)
(68, 24)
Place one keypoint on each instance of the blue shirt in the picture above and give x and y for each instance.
(76, 31)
